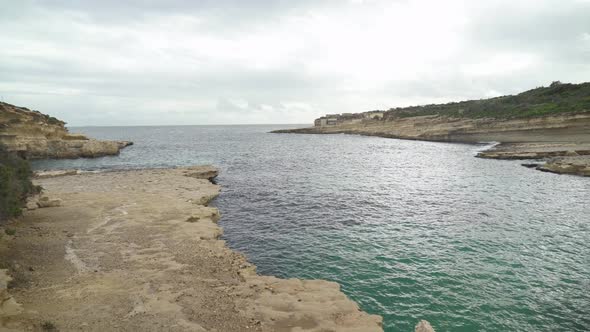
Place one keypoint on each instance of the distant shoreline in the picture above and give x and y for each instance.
(560, 144)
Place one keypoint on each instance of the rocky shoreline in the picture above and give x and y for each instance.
(140, 250)
(560, 144)
(34, 135)
(559, 158)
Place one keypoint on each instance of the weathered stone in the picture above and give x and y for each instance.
(32, 205)
(448, 129)
(8, 306)
(34, 135)
(568, 165)
(45, 202)
(424, 326)
(202, 172)
(52, 174)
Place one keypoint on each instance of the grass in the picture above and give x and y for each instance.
(553, 100)
(48, 326)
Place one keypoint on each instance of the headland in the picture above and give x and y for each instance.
(543, 124)
(34, 135)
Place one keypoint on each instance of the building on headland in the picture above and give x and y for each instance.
(348, 118)
(375, 115)
(332, 121)
(321, 122)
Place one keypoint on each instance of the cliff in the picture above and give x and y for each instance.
(563, 127)
(34, 135)
(560, 112)
(547, 123)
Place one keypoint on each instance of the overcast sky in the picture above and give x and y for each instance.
(236, 61)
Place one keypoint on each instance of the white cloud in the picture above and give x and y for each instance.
(501, 64)
(195, 62)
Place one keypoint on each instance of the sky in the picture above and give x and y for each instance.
(190, 62)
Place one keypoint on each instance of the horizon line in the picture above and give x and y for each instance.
(191, 125)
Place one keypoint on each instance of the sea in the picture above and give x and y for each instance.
(411, 230)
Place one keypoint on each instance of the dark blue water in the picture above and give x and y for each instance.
(411, 230)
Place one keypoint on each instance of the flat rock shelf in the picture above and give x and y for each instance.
(139, 250)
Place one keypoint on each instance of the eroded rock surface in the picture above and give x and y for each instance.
(579, 165)
(424, 326)
(8, 306)
(35, 135)
(556, 128)
(561, 158)
(119, 254)
(536, 150)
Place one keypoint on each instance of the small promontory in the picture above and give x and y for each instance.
(539, 124)
(34, 135)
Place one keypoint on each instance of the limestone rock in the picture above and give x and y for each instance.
(32, 205)
(8, 306)
(45, 202)
(202, 172)
(34, 135)
(568, 165)
(442, 128)
(424, 326)
(52, 174)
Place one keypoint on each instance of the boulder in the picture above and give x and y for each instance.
(45, 202)
(52, 174)
(8, 306)
(424, 326)
(32, 205)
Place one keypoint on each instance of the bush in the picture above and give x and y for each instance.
(556, 99)
(15, 184)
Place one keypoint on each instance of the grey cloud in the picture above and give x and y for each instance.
(62, 57)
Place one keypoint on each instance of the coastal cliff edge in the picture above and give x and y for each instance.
(34, 135)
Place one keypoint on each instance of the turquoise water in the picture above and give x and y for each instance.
(411, 230)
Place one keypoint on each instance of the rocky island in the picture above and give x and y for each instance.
(34, 135)
(547, 123)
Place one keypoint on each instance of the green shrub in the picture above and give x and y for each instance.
(15, 184)
(48, 326)
(556, 99)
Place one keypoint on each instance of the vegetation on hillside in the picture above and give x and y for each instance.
(10, 114)
(15, 184)
(556, 99)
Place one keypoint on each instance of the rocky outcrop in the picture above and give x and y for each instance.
(568, 165)
(143, 249)
(518, 151)
(572, 127)
(424, 326)
(560, 158)
(565, 139)
(8, 306)
(35, 135)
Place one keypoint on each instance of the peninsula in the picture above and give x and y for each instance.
(34, 135)
(550, 123)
